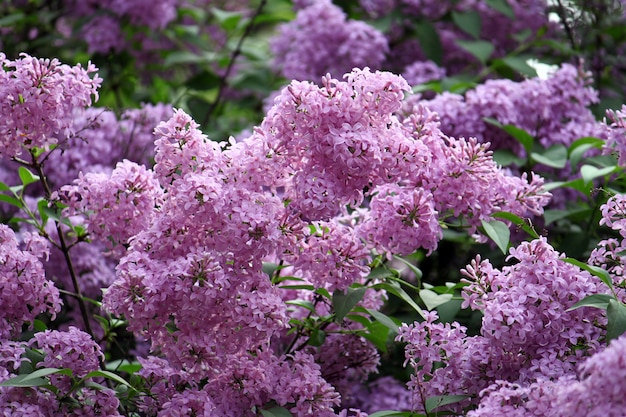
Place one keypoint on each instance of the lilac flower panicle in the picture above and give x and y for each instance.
(72, 349)
(41, 95)
(401, 220)
(24, 290)
(525, 308)
(117, 206)
(347, 43)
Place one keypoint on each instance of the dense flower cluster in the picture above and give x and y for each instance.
(225, 208)
(586, 393)
(563, 100)
(41, 95)
(24, 290)
(73, 349)
(527, 332)
(304, 49)
(103, 30)
(119, 205)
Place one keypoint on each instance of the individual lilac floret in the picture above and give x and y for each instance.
(305, 49)
(24, 290)
(38, 98)
(116, 206)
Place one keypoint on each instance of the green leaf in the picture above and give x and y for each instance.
(343, 303)
(519, 64)
(498, 232)
(432, 300)
(324, 293)
(317, 337)
(502, 6)
(518, 221)
(482, 50)
(616, 314)
(469, 22)
(390, 413)
(43, 209)
(416, 271)
(429, 41)
(4, 187)
(395, 289)
(204, 80)
(307, 287)
(26, 176)
(186, 57)
(505, 157)
(590, 172)
(550, 216)
(364, 321)
(11, 200)
(227, 20)
(377, 333)
(555, 156)
(593, 270)
(439, 401)
(11, 19)
(34, 379)
(123, 365)
(384, 320)
(109, 375)
(594, 300)
(380, 272)
(276, 412)
(522, 136)
(580, 146)
(302, 303)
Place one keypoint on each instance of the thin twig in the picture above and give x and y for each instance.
(231, 63)
(65, 250)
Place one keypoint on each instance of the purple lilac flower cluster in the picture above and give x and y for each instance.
(609, 253)
(24, 290)
(595, 390)
(103, 31)
(225, 208)
(74, 350)
(41, 95)
(528, 335)
(304, 49)
(119, 205)
(553, 110)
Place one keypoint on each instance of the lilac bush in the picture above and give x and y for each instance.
(149, 270)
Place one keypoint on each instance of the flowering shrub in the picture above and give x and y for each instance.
(296, 269)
